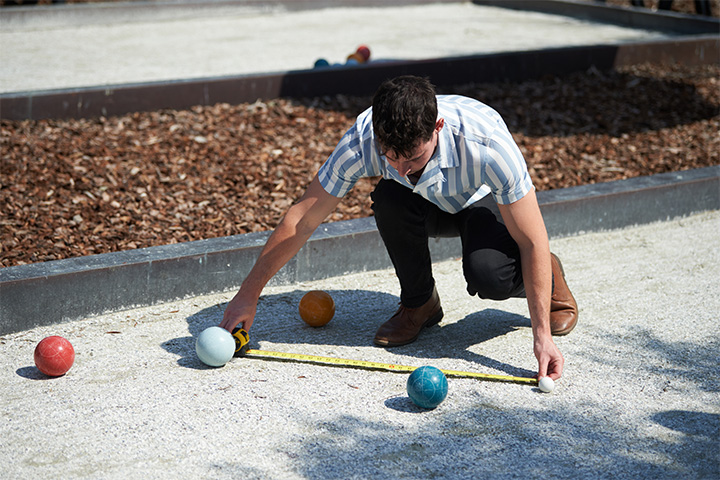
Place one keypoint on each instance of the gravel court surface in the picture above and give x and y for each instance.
(639, 398)
(234, 41)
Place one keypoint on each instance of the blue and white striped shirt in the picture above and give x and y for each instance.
(476, 155)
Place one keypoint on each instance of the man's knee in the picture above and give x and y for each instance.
(493, 275)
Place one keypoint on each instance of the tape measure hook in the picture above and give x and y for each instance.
(242, 341)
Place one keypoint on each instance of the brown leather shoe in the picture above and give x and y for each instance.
(563, 308)
(404, 327)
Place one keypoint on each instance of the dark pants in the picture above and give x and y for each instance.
(405, 220)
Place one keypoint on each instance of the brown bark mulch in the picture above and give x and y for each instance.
(79, 187)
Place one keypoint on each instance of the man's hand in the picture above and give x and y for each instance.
(550, 360)
(240, 311)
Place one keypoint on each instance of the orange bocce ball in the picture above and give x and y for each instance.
(316, 308)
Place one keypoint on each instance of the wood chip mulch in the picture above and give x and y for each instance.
(79, 187)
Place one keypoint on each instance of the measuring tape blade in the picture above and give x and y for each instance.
(242, 340)
(390, 367)
(491, 377)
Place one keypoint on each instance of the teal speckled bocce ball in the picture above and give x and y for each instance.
(427, 387)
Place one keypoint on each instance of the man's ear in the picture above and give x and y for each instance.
(439, 124)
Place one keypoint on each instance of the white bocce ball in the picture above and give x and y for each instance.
(546, 384)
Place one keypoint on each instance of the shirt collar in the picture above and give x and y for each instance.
(441, 159)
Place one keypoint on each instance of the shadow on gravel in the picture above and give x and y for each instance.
(278, 321)
(33, 373)
(490, 440)
(644, 350)
(498, 441)
(454, 340)
(590, 437)
(697, 445)
(358, 314)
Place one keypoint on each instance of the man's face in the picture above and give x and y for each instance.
(416, 162)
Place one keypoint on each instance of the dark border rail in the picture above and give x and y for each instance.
(353, 80)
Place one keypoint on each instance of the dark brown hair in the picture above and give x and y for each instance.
(404, 114)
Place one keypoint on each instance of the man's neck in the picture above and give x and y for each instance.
(415, 176)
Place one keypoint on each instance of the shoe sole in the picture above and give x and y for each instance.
(434, 320)
(564, 332)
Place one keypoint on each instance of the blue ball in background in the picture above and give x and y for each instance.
(215, 346)
(321, 63)
(427, 387)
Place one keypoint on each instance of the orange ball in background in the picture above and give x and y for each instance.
(356, 57)
(316, 308)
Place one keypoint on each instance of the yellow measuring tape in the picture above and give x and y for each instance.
(242, 350)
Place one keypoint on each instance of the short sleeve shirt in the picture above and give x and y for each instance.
(475, 155)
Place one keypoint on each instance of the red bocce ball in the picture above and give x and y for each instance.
(54, 356)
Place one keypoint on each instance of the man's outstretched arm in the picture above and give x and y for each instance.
(295, 228)
(525, 223)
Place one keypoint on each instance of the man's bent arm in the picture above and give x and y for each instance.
(300, 221)
(524, 222)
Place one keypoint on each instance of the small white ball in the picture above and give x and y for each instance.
(546, 384)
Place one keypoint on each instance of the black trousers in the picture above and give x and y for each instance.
(405, 220)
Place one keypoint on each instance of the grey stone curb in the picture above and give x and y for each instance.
(66, 290)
